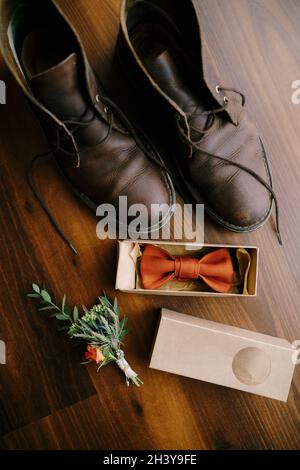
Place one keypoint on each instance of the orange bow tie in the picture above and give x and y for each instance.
(159, 267)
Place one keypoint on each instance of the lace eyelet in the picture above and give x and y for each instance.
(98, 98)
(106, 109)
(218, 89)
(226, 100)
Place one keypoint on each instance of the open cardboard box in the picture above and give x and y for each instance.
(127, 279)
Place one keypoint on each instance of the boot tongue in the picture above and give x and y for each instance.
(166, 71)
(60, 90)
(168, 74)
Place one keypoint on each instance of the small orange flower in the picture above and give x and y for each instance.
(93, 354)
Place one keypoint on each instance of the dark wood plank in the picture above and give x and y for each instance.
(44, 391)
(41, 372)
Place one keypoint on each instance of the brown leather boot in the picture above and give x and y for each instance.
(94, 144)
(220, 157)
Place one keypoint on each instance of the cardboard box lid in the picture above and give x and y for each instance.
(223, 355)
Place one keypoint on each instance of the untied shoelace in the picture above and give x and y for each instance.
(109, 105)
(195, 146)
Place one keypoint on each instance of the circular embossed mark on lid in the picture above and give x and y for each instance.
(251, 366)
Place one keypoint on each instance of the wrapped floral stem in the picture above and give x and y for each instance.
(101, 328)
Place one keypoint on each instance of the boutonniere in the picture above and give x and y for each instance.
(100, 328)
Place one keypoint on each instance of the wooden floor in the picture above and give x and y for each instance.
(47, 399)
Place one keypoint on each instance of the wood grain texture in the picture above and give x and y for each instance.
(49, 401)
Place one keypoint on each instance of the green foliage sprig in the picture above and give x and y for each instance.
(99, 327)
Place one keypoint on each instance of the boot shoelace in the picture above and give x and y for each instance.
(109, 105)
(195, 145)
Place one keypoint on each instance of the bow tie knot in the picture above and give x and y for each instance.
(186, 267)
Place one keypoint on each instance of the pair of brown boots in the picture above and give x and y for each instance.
(219, 160)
